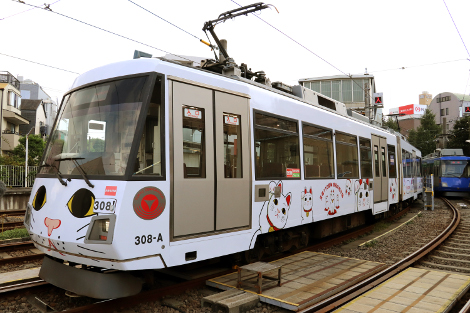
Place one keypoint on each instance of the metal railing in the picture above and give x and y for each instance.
(13, 176)
(7, 77)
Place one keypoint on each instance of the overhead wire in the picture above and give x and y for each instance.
(292, 39)
(456, 28)
(57, 68)
(4, 18)
(107, 31)
(209, 44)
(412, 66)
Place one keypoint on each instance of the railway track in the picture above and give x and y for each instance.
(352, 292)
(178, 288)
(18, 246)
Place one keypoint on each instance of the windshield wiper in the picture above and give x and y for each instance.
(80, 169)
(58, 173)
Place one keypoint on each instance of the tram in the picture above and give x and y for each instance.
(451, 171)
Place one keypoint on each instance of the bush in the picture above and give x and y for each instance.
(14, 233)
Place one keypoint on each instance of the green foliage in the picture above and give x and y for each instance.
(460, 134)
(391, 122)
(426, 134)
(35, 149)
(14, 233)
(370, 244)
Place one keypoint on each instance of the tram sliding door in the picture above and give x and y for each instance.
(211, 166)
(379, 150)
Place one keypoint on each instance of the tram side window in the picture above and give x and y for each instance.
(392, 166)
(276, 147)
(403, 162)
(347, 163)
(318, 152)
(149, 155)
(232, 146)
(194, 156)
(366, 158)
(408, 165)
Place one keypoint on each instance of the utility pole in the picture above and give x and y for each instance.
(367, 101)
(26, 160)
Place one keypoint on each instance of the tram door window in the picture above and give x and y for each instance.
(392, 166)
(210, 147)
(380, 184)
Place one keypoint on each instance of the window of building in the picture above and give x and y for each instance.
(315, 86)
(366, 157)
(346, 92)
(318, 152)
(276, 147)
(358, 91)
(447, 111)
(392, 166)
(336, 90)
(442, 112)
(347, 162)
(326, 88)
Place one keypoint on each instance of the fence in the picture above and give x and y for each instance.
(13, 176)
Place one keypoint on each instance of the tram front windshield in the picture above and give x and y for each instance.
(454, 168)
(95, 129)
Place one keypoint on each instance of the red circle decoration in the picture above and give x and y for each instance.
(149, 203)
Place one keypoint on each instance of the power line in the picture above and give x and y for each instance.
(298, 43)
(164, 19)
(456, 28)
(108, 31)
(57, 68)
(428, 64)
(4, 18)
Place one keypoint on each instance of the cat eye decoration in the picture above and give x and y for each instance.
(81, 203)
(39, 198)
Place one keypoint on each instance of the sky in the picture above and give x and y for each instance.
(382, 36)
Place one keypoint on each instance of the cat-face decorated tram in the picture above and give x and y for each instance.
(153, 164)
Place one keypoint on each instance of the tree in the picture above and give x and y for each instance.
(391, 122)
(426, 134)
(459, 134)
(35, 150)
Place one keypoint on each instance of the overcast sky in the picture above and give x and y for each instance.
(381, 36)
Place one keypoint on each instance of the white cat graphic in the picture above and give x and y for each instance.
(307, 205)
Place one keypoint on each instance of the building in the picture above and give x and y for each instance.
(409, 117)
(425, 98)
(10, 119)
(349, 90)
(448, 108)
(35, 112)
(33, 91)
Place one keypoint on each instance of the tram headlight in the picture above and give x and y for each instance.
(101, 229)
(444, 184)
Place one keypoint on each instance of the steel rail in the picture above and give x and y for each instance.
(466, 308)
(367, 284)
(20, 245)
(19, 285)
(30, 257)
(12, 212)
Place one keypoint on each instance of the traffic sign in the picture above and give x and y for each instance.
(378, 99)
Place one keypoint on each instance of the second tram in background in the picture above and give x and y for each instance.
(451, 171)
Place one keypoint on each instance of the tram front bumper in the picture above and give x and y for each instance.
(88, 283)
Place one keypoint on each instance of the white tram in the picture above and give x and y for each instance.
(153, 164)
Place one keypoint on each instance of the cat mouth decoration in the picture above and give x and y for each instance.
(51, 224)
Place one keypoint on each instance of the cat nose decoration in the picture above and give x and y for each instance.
(51, 225)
